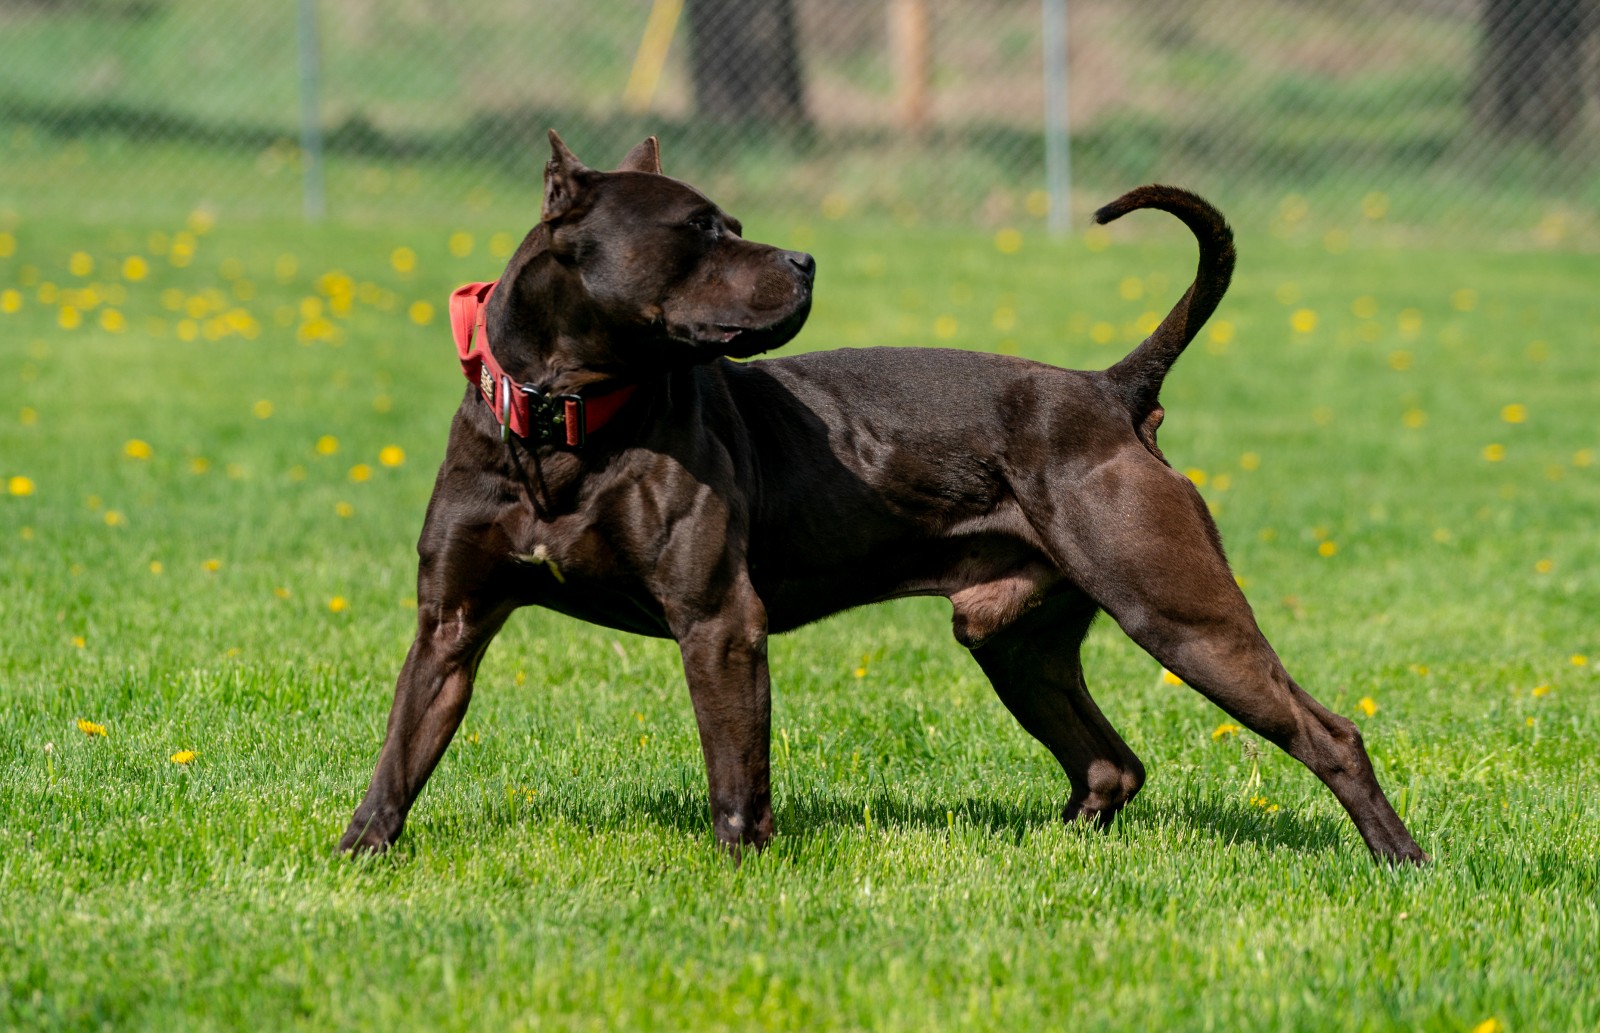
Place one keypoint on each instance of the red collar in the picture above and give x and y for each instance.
(522, 409)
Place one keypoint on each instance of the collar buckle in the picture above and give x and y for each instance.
(559, 420)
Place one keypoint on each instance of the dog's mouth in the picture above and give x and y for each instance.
(738, 341)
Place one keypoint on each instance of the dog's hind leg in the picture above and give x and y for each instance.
(430, 699)
(1137, 537)
(1035, 668)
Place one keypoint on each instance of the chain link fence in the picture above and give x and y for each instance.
(1425, 118)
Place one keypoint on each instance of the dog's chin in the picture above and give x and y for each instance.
(743, 342)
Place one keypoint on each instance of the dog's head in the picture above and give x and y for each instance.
(669, 270)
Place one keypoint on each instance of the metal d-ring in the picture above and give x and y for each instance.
(505, 418)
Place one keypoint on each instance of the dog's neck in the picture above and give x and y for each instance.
(545, 332)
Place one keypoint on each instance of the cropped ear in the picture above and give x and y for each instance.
(565, 181)
(646, 157)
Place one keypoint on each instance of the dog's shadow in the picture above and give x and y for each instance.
(826, 814)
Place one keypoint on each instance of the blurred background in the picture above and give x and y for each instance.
(1431, 122)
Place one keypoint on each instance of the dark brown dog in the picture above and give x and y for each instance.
(726, 501)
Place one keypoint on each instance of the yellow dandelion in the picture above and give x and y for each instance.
(1102, 332)
(1544, 566)
(1221, 331)
(1583, 457)
(1494, 453)
(1008, 241)
(113, 321)
(1400, 360)
(134, 448)
(1131, 288)
(327, 445)
(1541, 690)
(403, 259)
(945, 327)
(344, 509)
(79, 641)
(1414, 418)
(89, 728)
(1514, 413)
(1250, 461)
(1168, 678)
(199, 464)
(156, 567)
(69, 318)
(501, 245)
(1327, 548)
(281, 592)
(361, 472)
(183, 757)
(1489, 1025)
(1224, 730)
(1304, 321)
(20, 485)
(421, 313)
(1367, 705)
(391, 455)
(1196, 476)
(1464, 300)
(10, 300)
(135, 268)
(80, 264)
(1579, 660)
(262, 409)
(211, 566)
(460, 243)
(114, 518)
(1364, 307)
(337, 604)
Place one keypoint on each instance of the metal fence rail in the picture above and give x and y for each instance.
(1435, 116)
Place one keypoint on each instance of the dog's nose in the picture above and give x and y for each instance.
(803, 262)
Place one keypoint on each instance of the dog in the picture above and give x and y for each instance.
(611, 463)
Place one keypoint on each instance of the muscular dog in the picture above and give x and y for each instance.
(611, 463)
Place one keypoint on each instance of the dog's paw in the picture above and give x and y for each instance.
(368, 835)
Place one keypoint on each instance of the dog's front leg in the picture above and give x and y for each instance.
(725, 663)
(430, 699)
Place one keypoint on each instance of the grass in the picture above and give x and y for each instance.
(204, 550)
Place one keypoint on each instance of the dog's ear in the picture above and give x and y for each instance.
(565, 181)
(646, 157)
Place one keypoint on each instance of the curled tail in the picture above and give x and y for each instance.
(1137, 378)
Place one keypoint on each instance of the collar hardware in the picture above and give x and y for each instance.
(559, 420)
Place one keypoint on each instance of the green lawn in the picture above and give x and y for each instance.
(208, 507)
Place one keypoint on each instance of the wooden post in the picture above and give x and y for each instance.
(911, 54)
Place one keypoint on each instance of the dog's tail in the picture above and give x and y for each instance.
(1137, 378)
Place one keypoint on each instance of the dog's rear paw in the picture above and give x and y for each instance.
(368, 835)
(1411, 856)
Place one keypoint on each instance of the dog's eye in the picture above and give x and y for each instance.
(704, 222)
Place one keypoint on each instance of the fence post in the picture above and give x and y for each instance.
(310, 110)
(1057, 122)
